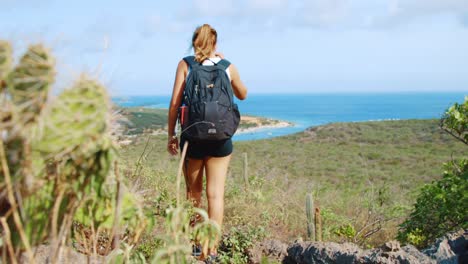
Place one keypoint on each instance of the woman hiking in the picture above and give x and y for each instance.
(213, 157)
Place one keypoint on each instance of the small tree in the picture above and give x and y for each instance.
(442, 206)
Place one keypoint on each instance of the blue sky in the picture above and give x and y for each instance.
(278, 45)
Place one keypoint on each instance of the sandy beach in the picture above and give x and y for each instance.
(260, 123)
(249, 124)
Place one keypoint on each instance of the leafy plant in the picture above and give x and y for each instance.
(234, 245)
(347, 231)
(442, 206)
(455, 121)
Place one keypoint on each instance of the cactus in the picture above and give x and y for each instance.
(318, 224)
(5, 64)
(75, 136)
(76, 122)
(30, 81)
(5, 61)
(63, 149)
(310, 211)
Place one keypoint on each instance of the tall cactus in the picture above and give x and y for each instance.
(310, 212)
(318, 224)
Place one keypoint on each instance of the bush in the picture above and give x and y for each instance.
(234, 246)
(441, 207)
(455, 121)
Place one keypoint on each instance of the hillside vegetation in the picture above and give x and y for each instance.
(364, 177)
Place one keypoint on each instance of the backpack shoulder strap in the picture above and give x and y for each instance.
(224, 64)
(190, 60)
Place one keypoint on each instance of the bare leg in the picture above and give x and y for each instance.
(216, 171)
(194, 182)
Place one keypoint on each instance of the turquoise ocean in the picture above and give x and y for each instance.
(306, 110)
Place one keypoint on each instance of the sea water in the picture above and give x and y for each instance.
(306, 110)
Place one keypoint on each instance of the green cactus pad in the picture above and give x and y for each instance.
(29, 82)
(78, 121)
(5, 60)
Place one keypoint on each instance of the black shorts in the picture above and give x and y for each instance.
(197, 150)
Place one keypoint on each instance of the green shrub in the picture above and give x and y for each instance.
(455, 121)
(441, 207)
(234, 245)
(347, 231)
(148, 245)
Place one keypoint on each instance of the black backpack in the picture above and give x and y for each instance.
(211, 112)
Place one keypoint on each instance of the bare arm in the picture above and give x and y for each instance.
(177, 92)
(240, 90)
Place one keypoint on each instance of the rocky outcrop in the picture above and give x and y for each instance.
(394, 254)
(322, 252)
(273, 249)
(452, 248)
(348, 253)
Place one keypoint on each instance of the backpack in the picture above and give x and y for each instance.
(211, 114)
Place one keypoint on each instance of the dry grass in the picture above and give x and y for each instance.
(353, 169)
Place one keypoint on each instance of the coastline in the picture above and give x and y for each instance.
(261, 123)
(135, 122)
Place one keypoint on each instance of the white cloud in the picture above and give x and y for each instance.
(403, 11)
(341, 14)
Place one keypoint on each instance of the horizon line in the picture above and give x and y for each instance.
(318, 93)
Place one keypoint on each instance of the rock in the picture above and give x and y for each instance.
(272, 249)
(329, 252)
(415, 253)
(322, 252)
(388, 255)
(275, 248)
(451, 248)
(391, 246)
